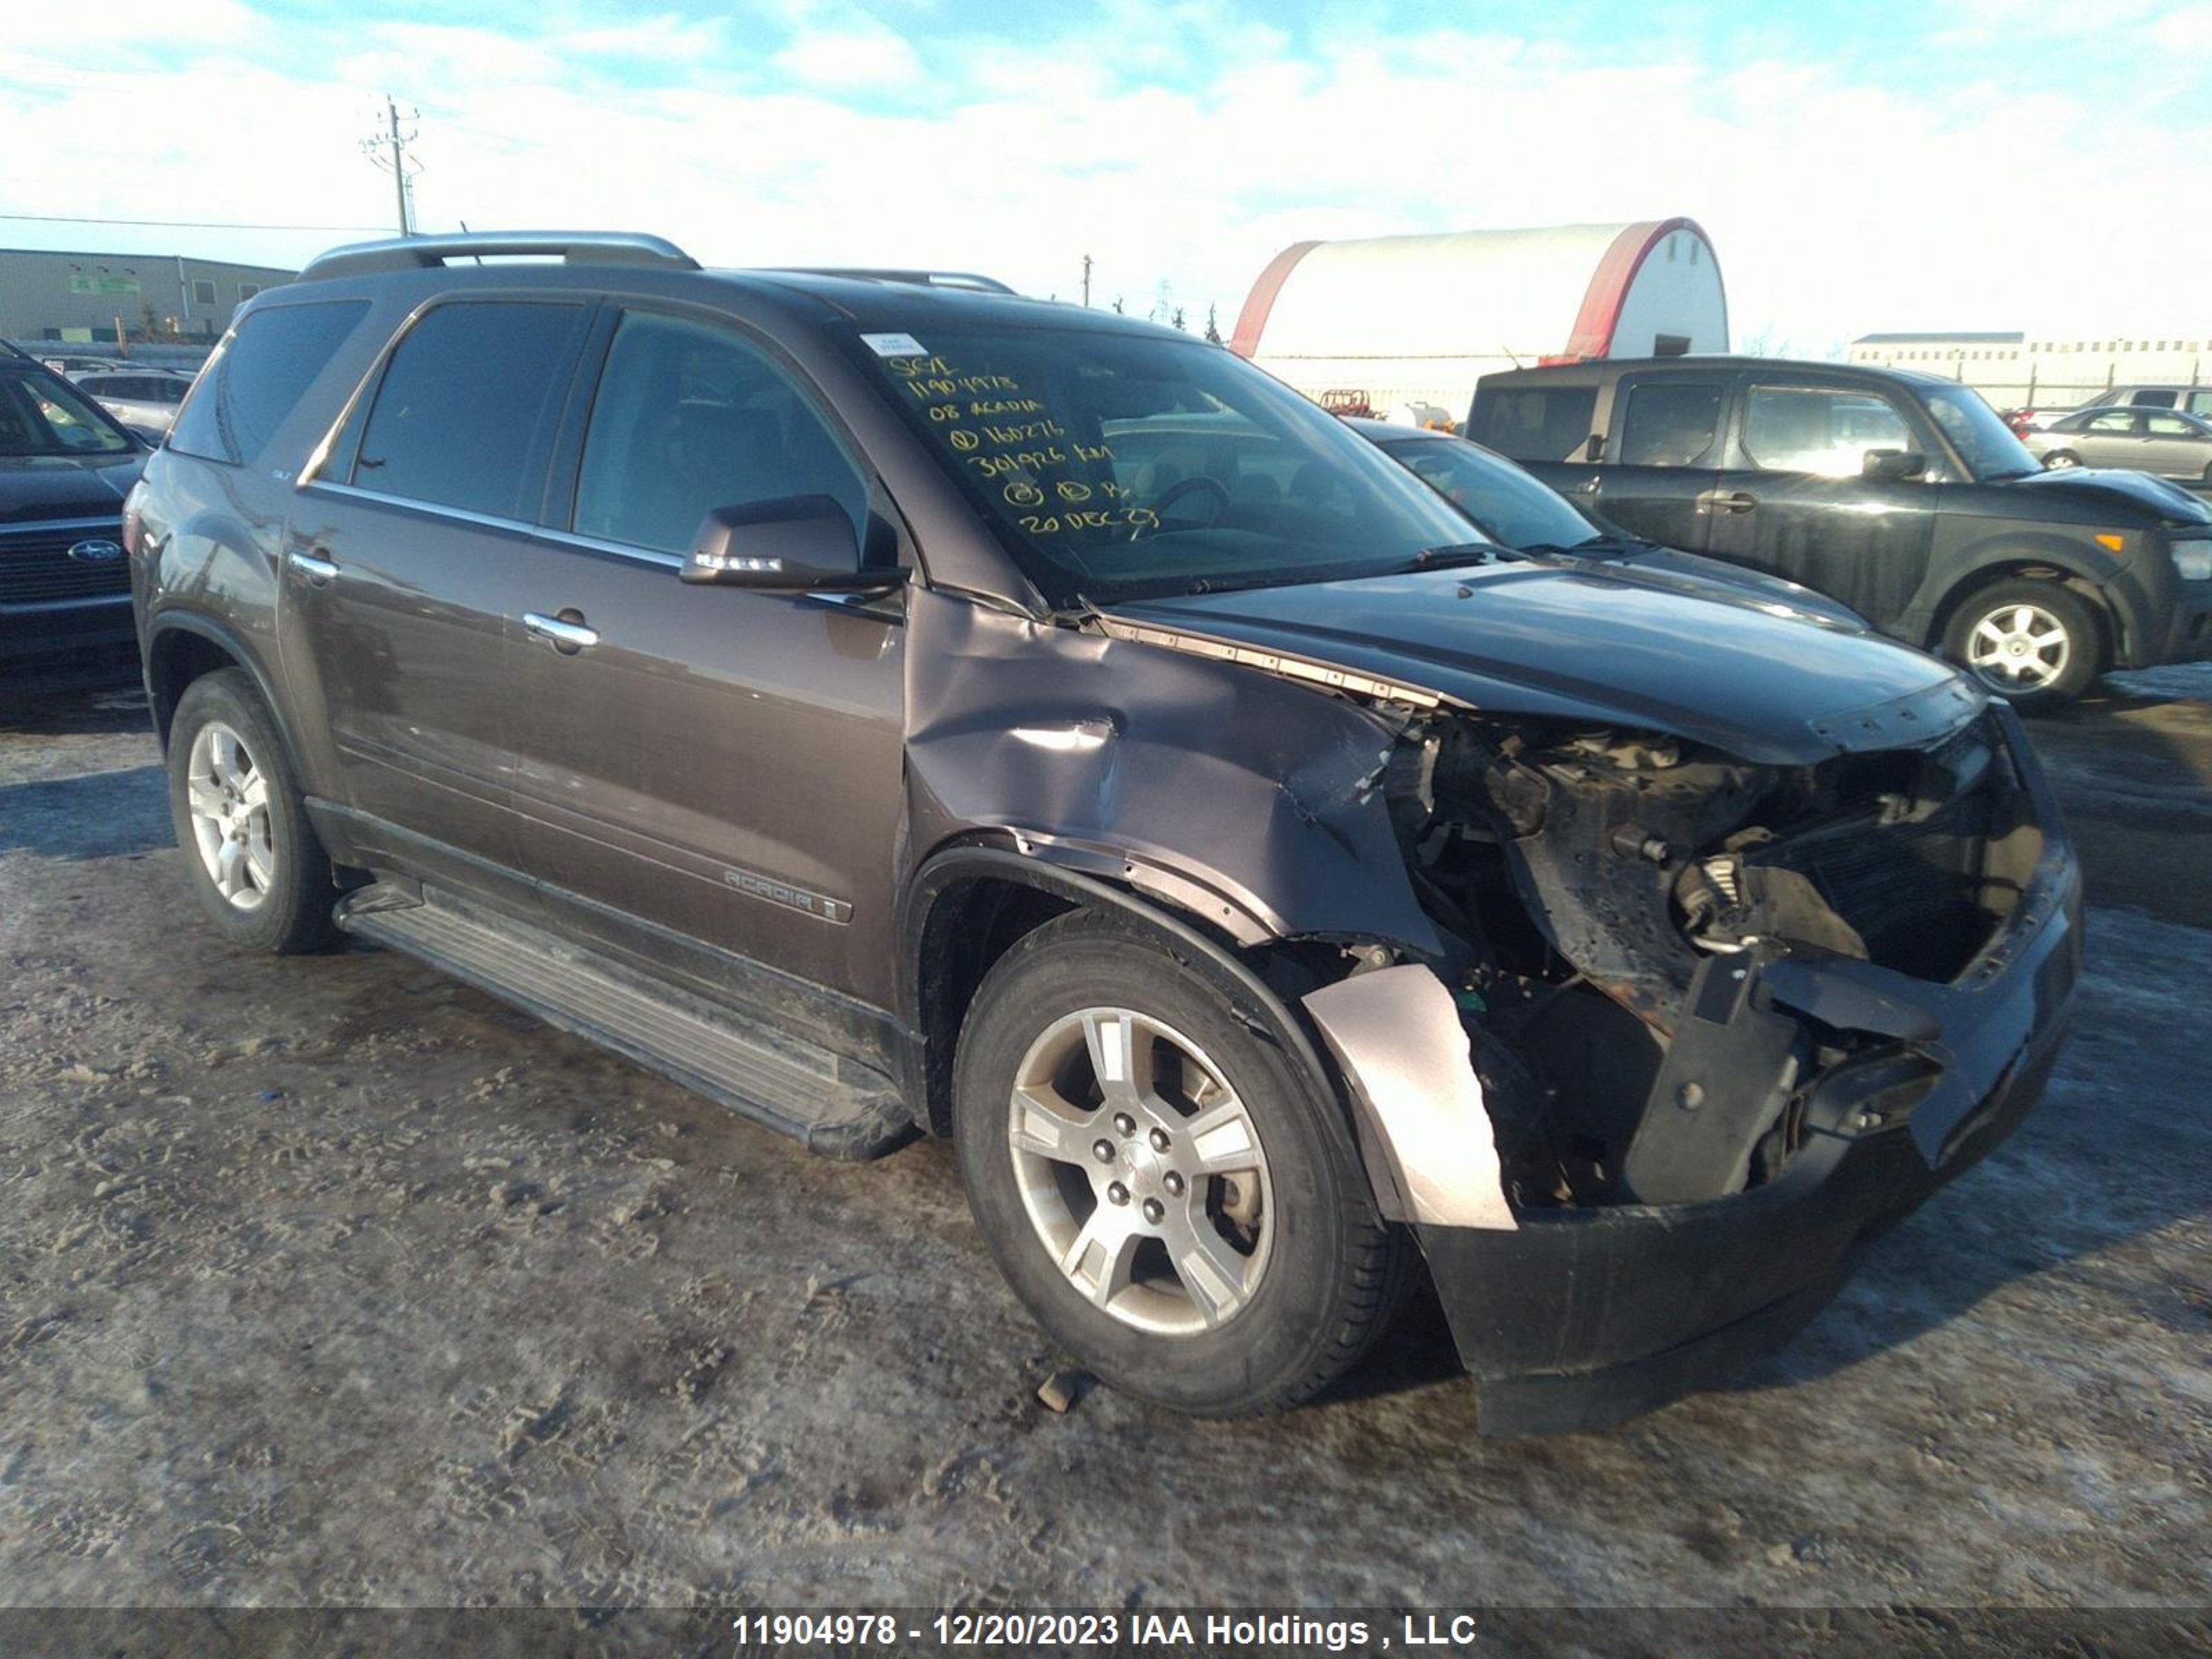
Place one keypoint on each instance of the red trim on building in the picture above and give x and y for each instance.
(1615, 275)
(1253, 319)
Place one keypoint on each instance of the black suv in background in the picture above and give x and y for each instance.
(66, 466)
(886, 707)
(1902, 495)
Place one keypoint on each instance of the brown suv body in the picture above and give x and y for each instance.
(822, 820)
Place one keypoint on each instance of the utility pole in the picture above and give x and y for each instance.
(1086, 282)
(397, 163)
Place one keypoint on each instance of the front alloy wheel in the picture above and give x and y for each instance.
(2020, 648)
(2035, 643)
(1140, 1171)
(1175, 1198)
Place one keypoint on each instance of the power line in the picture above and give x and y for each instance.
(169, 224)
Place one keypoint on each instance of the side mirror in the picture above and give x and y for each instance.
(1594, 451)
(793, 544)
(1893, 465)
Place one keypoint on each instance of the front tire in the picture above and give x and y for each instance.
(254, 861)
(1181, 1210)
(2059, 458)
(2035, 643)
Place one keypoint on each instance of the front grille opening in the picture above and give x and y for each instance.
(35, 566)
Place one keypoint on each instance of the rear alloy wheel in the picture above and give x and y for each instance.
(1179, 1207)
(228, 797)
(259, 871)
(2035, 643)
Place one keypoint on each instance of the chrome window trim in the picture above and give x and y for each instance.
(492, 521)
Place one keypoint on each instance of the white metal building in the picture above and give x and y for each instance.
(2050, 367)
(1393, 321)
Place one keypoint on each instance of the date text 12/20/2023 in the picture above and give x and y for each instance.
(1208, 1632)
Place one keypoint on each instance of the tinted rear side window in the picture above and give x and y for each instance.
(465, 402)
(1547, 423)
(1670, 423)
(258, 378)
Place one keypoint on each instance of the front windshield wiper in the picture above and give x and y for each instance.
(1456, 554)
(1596, 547)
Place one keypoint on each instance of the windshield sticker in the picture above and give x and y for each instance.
(894, 346)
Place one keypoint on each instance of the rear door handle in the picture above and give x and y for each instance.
(315, 568)
(1727, 501)
(566, 636)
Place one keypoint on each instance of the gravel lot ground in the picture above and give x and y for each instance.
(328, 1281)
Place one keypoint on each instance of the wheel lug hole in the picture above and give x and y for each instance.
(1103, 1150)
(1116, 1193)
(1124, 1124)
(1173, 1183)
(1155, 1211)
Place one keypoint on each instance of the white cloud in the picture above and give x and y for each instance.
(1164, 143)
(664, 37)
(129, 26)
(2187, 28)
(860, 56)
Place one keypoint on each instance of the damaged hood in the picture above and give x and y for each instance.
(1603, 644)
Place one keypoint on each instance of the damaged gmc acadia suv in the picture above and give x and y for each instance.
(881, 703)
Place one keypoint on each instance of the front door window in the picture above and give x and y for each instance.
(1824, 430)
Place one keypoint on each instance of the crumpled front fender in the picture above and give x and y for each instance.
(1249, 801)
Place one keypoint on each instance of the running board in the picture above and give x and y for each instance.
(834, 1105)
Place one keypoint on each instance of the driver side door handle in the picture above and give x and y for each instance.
(1726, 500)
(568, 637)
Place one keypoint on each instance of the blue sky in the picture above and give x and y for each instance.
(1961, 163)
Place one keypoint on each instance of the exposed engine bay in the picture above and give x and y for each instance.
(1606, 896)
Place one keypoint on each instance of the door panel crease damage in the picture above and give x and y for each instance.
(1585, 985)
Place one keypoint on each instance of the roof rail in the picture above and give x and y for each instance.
(967, 281)
(576, 247)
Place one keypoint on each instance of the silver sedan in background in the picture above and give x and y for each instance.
(2162, 441)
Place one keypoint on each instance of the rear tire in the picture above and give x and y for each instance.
(1198, 1230)
(254, 861)
(2037, 644)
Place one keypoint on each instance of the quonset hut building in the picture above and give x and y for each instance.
(1405, 325)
